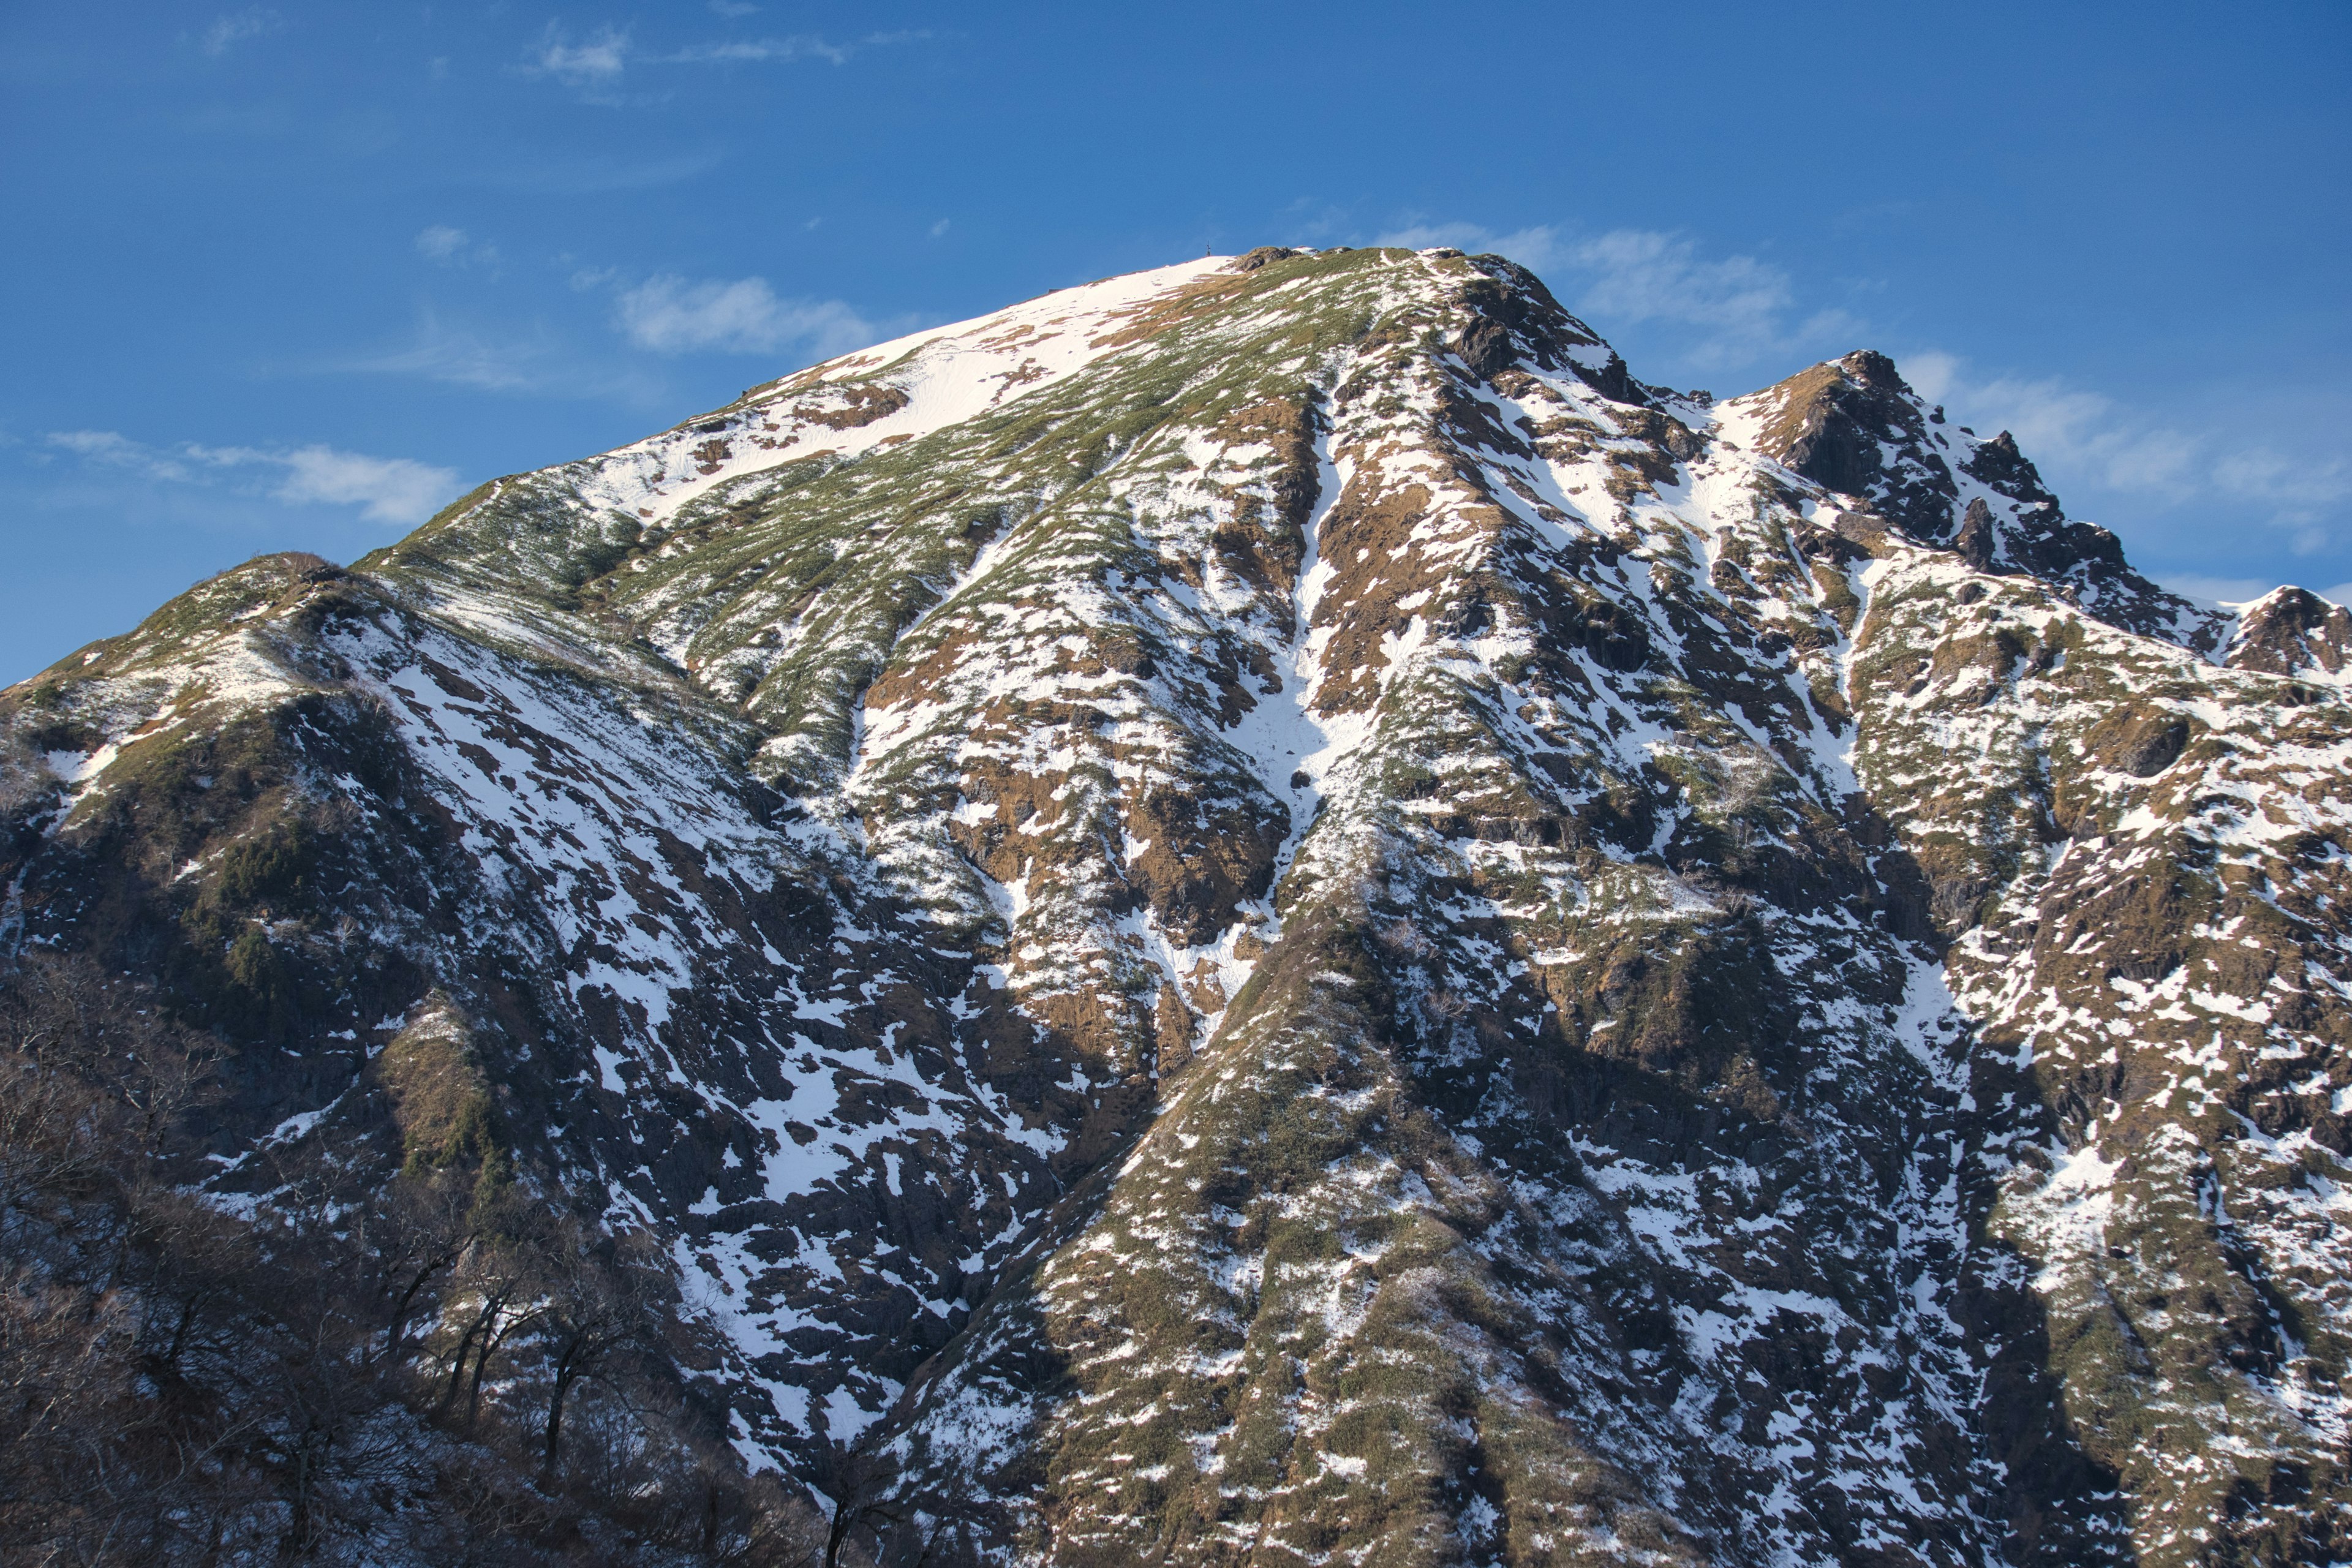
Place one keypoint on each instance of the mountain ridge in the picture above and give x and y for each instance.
(1319, 709)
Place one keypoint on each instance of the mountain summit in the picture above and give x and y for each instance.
(1258, 912)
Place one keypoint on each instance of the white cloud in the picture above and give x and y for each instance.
(1735, 307)
(116, 450)
(2053, 420)
(227, 31)
(462, 359)
(732, 9)
(1538, 248)
(1642, 275)
(601, 59)
(2088, 437)
(671, 315)
(759, 51)
(939, 228)
(385, 489)
(452, 247)
(2259, 470)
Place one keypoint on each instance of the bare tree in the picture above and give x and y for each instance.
(498, 1286)
(416, 1233)
(594, 1310)
(112, 1034)
(859, 1480)
(179, 1386)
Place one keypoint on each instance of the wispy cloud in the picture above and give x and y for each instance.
(113, 449)
(460, 357)
(758, 51)
(1638, 275)
(2090, 436)
(385, 489)
(453, 248)
(538, 357)
(2058, 421)
(786, 49)
(229, 31)
(398, 490)
(1737, 309)
(601, 59)
(669, 314)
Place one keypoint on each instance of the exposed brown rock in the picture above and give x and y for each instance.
(2290, 631)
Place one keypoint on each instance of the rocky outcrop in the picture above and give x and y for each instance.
(2293, 631)
(1853, 426)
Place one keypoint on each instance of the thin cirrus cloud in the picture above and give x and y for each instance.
(440, 242)
(1731, 310)
(113, 449)
(453, 247)
(460, 359)
(669, 314)
(529, 359)
(599, 59)
(757, 51)
(2091, 437)
(229, 31)
(398, 490)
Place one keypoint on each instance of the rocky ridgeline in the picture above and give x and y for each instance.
(1264, 912)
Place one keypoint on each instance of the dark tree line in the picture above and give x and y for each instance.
(436, 1366)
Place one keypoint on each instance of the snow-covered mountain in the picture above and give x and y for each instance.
(1264, 912)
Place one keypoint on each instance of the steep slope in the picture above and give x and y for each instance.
(1264, 908)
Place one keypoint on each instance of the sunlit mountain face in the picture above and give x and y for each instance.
(1257, 912)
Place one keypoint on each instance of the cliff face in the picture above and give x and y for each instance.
(1264, 908)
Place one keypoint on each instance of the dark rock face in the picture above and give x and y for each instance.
(1853, 426)
(1979, 540)
(2144, 744)
(2038, 537)
(1263, 256)
(2290, 631)
(1286, 939)
(1532, 324)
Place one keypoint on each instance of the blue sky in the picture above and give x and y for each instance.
(289, 277)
